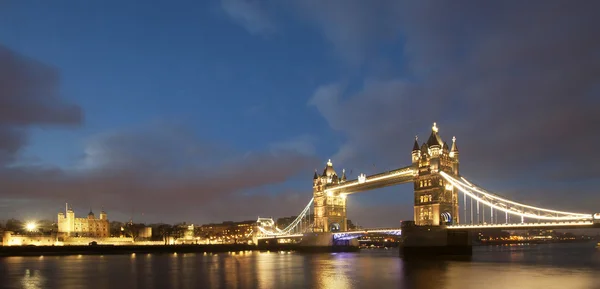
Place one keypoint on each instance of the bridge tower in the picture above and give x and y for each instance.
(436, 203)
(329, 208)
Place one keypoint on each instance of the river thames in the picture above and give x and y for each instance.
(537, 266)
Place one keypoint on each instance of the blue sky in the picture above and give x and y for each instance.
(228, 106)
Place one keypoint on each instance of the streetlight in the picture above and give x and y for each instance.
(31, 226)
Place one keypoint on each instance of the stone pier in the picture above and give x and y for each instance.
(435, 241)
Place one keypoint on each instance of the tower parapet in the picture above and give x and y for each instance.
(436, 203)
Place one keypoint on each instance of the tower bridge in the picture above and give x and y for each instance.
(437, 182)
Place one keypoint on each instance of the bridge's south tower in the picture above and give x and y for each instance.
(436, 203)
(329, 207)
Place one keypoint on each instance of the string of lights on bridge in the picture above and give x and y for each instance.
(475, 198)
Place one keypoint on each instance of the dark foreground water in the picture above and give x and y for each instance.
(564, 266)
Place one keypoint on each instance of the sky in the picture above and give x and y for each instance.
(208, 111)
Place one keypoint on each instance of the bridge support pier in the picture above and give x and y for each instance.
(421, 241)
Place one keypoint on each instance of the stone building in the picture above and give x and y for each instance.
(329, 208)
(436, 203)
(70, 226)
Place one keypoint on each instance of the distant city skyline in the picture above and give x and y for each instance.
(209, 111)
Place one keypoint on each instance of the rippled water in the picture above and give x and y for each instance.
(545, 266)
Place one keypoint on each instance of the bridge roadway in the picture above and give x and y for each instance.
(385, 179)
(512, 226)
(528, 226)
(390, 231)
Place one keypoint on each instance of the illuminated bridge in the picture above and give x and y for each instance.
(442, 197)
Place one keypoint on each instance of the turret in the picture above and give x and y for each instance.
(434, 142)
(424, 151)
(103, 215)
(454, 155)
(454, 149)
(343, 175)
(70, 213)
(315, 178)
(328, 173)
(69, 225)
(416, 152)
(91, 215)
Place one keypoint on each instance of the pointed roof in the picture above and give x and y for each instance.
(432, 141)
(445, 147)
(90, 213)
(344, 175)
(424, 147)
(416, 144)
(434, 138)
(454, 146)
(316, 176)
(329, 171)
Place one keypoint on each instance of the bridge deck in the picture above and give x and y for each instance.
(389, 178)
(528, 226)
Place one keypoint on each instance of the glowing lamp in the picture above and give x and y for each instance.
(31, 226)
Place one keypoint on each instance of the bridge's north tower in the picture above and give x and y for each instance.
(436, 203)
(329, 207)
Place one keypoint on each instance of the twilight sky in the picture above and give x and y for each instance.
(205, 111)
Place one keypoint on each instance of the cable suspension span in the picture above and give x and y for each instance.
(291, 226)
(511, 207)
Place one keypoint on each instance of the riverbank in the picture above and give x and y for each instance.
(161, 249)
(529, 242)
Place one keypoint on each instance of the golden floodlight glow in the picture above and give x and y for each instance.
(31, 226)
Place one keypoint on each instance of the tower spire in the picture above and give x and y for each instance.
(454, 146)
(416, 144)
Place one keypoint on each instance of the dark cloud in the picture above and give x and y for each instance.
(29, 96)
(517, 82)
(164, 171)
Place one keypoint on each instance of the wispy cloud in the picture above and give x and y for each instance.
(250, 14)
(304, 144)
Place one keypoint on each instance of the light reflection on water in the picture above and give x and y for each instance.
(554, 266)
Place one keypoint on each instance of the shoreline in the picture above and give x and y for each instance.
(529, 242)
(162, 249)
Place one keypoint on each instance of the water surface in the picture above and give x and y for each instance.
(543, 266)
